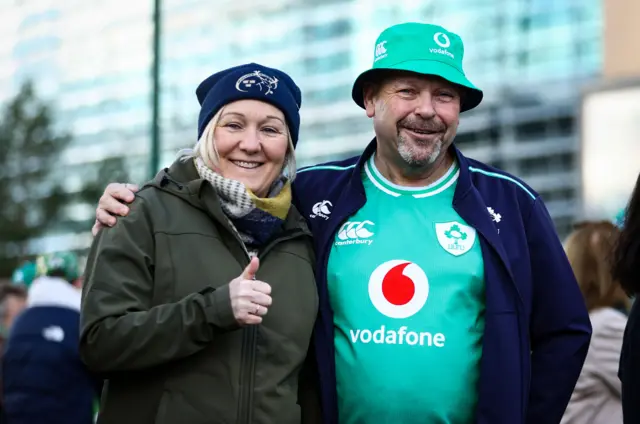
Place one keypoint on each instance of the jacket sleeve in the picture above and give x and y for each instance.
(560, 329)
(120, 330)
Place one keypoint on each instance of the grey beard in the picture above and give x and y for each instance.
(409, 156)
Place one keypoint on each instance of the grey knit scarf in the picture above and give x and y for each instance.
(253, 225)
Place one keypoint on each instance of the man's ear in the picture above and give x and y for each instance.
(369, 92)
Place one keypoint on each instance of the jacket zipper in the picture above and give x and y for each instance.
(249, 342)
(247, 374)
(247, 360)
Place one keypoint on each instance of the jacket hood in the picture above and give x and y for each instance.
(180, 179)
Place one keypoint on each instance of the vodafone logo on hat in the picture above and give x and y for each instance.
(441, 39)
(398, 288)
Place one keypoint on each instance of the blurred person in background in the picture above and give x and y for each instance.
(24, 274)
(44, 380)
(13, 299)
(626, 270)
(199, 305)
(596, 398)
(14, 296)
(450, 267)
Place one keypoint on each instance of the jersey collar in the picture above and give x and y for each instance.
(383, 184)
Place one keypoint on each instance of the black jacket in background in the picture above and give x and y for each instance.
(629, 372)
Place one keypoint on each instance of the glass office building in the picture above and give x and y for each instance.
(94, 59)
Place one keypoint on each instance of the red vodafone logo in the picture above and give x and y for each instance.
(398, 288)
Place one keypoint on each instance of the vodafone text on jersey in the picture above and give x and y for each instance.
(398, 289)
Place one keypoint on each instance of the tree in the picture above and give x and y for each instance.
(109, 170)
(33, 196)
(29, 149)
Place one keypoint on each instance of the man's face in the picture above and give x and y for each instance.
(415, 116)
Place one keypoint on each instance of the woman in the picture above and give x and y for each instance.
(596, 397)
(198, 306)
(626, 269)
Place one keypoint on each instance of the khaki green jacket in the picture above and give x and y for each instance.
(157, 319)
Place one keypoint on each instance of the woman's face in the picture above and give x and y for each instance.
(252, 141)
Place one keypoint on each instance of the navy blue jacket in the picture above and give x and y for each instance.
(44, 380)
(537, 328)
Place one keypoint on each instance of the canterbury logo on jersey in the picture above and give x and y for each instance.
(355, 233)
(321, 209)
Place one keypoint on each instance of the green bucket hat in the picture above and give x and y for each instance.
(424, 49)
(62, 262)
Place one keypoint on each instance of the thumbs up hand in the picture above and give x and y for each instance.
(250, 298)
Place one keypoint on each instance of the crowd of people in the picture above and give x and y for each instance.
(43, 378)
(409, 284)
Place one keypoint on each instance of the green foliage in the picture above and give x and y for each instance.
(29, 149)
(34, 201)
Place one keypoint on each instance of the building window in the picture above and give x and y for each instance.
(564, 226)
(548, 164)
(327, 31)
(558, 195)
(531, 130)
(330, 63)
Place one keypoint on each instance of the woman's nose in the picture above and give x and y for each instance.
(250, 142)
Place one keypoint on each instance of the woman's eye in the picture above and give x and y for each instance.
(233, 125)
(271, 130)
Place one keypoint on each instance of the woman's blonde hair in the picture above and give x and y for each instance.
(206, 149)
(589, 248)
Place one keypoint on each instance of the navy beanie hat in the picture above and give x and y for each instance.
(250, 81)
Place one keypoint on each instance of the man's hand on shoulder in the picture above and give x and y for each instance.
(113, 203)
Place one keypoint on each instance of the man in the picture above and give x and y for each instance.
(44, 380)
(445, 294)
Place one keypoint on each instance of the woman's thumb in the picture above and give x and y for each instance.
(250, 271)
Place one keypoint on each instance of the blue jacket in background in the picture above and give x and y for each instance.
(537, 328)
(44, 380)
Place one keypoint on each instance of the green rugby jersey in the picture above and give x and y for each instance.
(406, 284)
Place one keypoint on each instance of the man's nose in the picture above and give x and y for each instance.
(424, 107)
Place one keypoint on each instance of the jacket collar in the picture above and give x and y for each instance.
(463, 185)
(182, 180)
